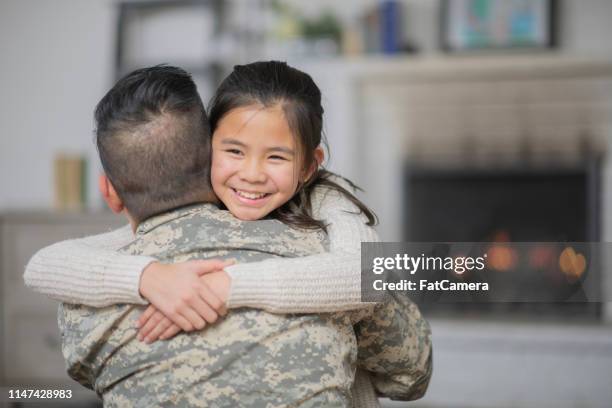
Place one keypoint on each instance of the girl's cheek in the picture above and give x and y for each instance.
(218, 174)
(285, 172)
(221, 165)
(227, 167)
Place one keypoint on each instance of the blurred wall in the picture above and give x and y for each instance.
(586, 27)
(56, 64)
(57, 61)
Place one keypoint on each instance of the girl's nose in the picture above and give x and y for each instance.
(253, 172)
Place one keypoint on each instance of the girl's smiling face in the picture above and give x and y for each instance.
(255, 161)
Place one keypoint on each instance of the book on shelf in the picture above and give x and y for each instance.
(70, 174)
(382, 28)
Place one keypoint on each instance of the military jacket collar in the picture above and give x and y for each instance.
(157, 220)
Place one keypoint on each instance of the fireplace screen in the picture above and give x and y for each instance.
(528, 204)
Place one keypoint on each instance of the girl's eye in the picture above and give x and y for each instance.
(234, 151)
(274, 157)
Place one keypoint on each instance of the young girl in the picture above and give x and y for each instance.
(266, 120)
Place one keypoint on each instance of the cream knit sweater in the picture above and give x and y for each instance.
(91, 272)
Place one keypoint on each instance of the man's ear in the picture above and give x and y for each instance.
(319, 156)
(109, 194)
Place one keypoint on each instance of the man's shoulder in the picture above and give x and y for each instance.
(201, 229)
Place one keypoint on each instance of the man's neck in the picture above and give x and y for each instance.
(131, 220)
(133, 224)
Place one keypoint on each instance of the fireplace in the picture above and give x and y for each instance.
(519, 203)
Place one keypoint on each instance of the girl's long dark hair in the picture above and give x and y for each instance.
(271, 83)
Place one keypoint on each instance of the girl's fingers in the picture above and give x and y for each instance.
(204, 310)
(150, 324)
(161, 327)
(213, 301)
(222, 311)
(142, 320)
(170, 332)
(182, 322)
(195, 319)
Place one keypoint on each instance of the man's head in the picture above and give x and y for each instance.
(153, 138)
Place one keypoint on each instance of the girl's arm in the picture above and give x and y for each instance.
(88, 270)
(326, 282)
(91, 271)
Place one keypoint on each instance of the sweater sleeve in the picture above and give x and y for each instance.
(327, 282)
(88, 270)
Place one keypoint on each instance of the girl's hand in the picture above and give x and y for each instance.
(177, 291)
(156, 326)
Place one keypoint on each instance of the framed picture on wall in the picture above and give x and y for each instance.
(498, 24)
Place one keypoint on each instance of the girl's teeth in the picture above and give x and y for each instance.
(250, 196)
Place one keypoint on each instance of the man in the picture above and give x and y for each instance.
(152, 138)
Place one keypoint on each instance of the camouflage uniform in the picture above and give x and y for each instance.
(251, 358)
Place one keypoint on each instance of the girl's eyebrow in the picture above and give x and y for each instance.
(280, 149)
(233, 142)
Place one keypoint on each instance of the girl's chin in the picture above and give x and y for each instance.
(249, 215)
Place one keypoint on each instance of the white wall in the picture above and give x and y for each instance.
(586, 28)
(57, 56)
(56, 64)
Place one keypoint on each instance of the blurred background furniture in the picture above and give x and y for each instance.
(31, 345)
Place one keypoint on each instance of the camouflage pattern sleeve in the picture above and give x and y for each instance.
(395, 347)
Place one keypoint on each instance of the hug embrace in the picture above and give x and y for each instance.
(237, 281)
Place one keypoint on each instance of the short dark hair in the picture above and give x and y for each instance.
(153, 138)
